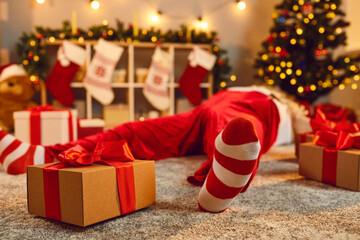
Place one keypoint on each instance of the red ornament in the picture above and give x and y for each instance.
(131, 26)
(269, 39)
(39, 36)
(318, 52)
(104, 35)
(283, 53)
(307, 89)
(325, 52)
(220, 62)
(30, 55)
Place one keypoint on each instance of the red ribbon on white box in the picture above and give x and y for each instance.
(35, 122)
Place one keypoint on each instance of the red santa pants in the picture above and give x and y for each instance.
(192, 132)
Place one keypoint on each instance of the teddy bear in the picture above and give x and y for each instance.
(16, 93)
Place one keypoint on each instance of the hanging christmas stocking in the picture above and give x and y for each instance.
(156, 83)
(98, 76)
(200, 62)
(69, 59)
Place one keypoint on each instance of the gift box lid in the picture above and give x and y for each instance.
(96, 122)
(23, 115)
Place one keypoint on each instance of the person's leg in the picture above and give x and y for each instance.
(235, 159)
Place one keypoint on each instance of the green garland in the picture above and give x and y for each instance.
(32, 47)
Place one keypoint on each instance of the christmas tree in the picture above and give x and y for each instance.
(300, 54)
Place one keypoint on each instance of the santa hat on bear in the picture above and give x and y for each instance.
(11, 70)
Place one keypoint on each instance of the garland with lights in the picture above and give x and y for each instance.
(32, 47)
(299, 54)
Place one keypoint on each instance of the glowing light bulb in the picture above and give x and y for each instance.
(52, 39)
(241, 5)
(233, 78)
(155, 17)
(40, 1)
(203, 24)
(95, 4)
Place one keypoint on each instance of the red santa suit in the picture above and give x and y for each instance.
(193, 132)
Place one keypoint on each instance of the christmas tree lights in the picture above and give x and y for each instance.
(299, 54)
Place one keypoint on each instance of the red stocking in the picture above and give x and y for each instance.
(69, 59)
(200, 63)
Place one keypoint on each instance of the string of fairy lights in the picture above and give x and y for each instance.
(158, 13)
(200, 36)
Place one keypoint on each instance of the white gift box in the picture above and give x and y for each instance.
(54, 126)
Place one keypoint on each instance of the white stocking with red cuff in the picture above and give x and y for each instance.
(98, 76)
(200, 62)
(236, 154)
(156, 83)
(69, 59)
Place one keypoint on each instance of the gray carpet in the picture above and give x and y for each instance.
(280, 204)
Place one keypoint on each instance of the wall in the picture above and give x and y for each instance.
(348, 96)
(240, 32)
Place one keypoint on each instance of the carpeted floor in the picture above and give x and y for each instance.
(280, 204)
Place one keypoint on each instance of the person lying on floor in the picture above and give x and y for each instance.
(233, 128)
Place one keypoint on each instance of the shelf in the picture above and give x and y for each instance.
(134, 88)
(136, 85)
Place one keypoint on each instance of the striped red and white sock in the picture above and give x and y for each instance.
(237, 150)
(15, 155)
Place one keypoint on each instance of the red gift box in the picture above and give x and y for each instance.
(87, 127)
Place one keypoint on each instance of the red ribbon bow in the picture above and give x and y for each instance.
(40, 108)
(337, 140)
(115, 154)
(333, 112)
(320, 122)
(109, 153)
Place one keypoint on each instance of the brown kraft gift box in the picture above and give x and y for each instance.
(347, 165)
(302, 138)
(89, 194)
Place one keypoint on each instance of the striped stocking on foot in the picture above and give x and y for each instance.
(15, 155)
(237, 149)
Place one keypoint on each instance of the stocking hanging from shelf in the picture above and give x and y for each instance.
(98, 76)
(200, 62)
(69, 59)
(156, 83)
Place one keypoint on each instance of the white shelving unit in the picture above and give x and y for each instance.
(131, 85)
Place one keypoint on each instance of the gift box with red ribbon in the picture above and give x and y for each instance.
(85, 188)
(332, 158)
(87, 127)
(321, 123)
(45, 125)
